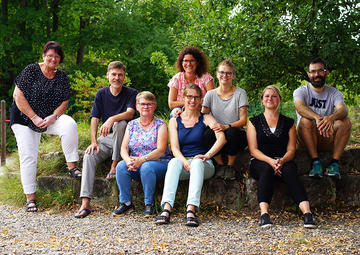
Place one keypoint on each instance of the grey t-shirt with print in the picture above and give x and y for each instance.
(321, 103)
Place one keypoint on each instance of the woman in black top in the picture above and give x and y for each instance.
(41, 97)
(272, 144)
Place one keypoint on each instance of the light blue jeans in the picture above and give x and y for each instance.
(199, 171)
(149, 173)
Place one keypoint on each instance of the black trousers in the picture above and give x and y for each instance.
(264, 173)
(236, 140)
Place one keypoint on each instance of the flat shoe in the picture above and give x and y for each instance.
(191, 221)
(162, 219)
(87, 212)
(111, 176)
(29, 208)
(72, 173)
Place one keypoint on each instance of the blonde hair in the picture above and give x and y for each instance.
(227, 62)
(192, 86)
(147, 95)
(277, 93)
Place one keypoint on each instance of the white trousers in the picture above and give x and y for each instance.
(28, 145)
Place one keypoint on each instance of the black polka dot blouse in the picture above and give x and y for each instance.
(44, 95)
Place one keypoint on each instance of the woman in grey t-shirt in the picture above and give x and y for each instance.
(228, 105)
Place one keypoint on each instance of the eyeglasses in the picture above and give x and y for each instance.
(189, 97)
(192, 61)
(52, 56)
(320, 71)
(143, 105)
(225, 73)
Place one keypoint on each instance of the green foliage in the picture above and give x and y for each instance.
(11, 145)
(159, 59)
(272, 42)
(11, 190)
(57, 198)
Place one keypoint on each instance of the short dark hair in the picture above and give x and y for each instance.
(192, 86)
(202, 60)
(56, 47)
(116, 65)
(316, 61)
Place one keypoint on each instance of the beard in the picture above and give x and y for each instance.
(116, 86)
(318, 84)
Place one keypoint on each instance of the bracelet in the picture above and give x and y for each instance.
(33, 117)
(56, 115)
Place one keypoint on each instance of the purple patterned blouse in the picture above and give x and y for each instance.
(142, 142)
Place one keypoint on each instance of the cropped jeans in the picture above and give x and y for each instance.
(199, 171)
(149, 173)
(28, 146)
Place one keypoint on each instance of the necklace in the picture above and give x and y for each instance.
(148, 123)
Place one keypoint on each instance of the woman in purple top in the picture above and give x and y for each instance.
(146, 139)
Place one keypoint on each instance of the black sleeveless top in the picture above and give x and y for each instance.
(269, 143)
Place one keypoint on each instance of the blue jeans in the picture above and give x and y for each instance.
(148, 173)
(199, 171)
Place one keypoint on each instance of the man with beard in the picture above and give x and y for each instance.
(115, 105)
(319, 128)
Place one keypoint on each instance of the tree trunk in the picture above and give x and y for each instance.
(82, 44)
(55, 16)
(23, 24)
(48, 32)
(4, 12)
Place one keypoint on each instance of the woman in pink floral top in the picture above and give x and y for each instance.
(193, 67)
(146, 138)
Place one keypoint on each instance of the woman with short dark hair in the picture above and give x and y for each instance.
(41, 97)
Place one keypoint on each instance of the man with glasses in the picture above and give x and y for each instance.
(319, 128)
(115, 105)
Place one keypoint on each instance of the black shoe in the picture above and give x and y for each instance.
(229, 173)
(149, 210)
(265, 221)
(309, 221)
(123, 208)
(219, 171)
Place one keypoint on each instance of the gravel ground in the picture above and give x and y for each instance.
(47, 232)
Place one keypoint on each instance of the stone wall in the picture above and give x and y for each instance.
(242, 191)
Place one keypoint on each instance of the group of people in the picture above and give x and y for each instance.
(206, 123)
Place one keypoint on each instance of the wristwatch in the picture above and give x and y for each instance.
(146, 158)
(229, 125)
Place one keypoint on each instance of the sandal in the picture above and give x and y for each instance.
(162, 219)
(73, 173)
(32, 208)
(87, 212)
(111, 176)
(191, 221)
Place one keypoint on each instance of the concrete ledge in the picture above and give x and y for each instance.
(234, 194)
(225, 193)
(318, 192)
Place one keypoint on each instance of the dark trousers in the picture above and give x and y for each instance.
(264, 173)
(236, 140)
